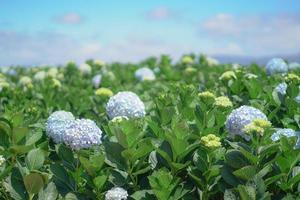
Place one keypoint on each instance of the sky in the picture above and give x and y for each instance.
(36, 32)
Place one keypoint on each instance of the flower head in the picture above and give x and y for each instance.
(97, 80)
(116, 193)
(223, 102)
(40, 75)
(211, 141)
(99, 62)
(212, 61)
(52, 72)
(281, 88)
(190, 70)
(3, 84)
(226, 76)
(2, 160)
(56, 83)
(126, 104)
(286, 132)
(257, 126)
(25, 81)
(57, 124)
(276, 65)
(82, 133)
(85, 68)
(241, 117)
(104, 92)
(187, 60)
(144, 73)
(207, 97)
(292, 77)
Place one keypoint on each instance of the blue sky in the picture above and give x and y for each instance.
(55, 31)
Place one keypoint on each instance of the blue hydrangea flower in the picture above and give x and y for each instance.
(287, 132)
(294, 66)
(116, 193)
(125, 104)
(144, 74)
(297, 99)
(281, 88)
(241, 117)
(82, 133)
(276, 65)
(57, 124)
(97, 80)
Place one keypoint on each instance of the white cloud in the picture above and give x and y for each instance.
(257, 35)
(161, 13)
(70, 18)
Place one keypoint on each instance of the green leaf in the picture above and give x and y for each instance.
(33, 183)
(246, 192)
(15, 185)
(35, 159)
(245, 173)
(236, 159)
(49, 193)
(99, 181)
(19, 133)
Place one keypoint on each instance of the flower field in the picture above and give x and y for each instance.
(158, 129)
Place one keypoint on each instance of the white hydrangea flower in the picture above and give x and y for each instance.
(97, 80)
(294, 66)
(212, 61)
(2, 160)
(144, 73)
(40, 75)
(276, 65)
(82, 133)
(25, 80)
(287, 132)
(281, 88)
(57, 124)
(116, 193)
(85, 68)
(52, 72)
(126, 104)
(241, 117)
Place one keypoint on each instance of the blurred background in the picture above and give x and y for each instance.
(35, 32)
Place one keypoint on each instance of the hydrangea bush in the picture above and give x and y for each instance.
(198, 130)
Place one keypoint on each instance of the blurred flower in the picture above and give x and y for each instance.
(82, 133)
(281, 88)
(292, 77)
(287, 132)
(3, 84)
(294, 66)
(228, 75)
(97, 80)
(104, 92)
(26, 81)
(144, 73)
(212, 61)
(236, 66)
(250, 76)
(85, 68)
(211, 141)
(207, 97)
(57, 124)
(257, 126)
(126, 104)
(276, 65)
(40, 75)
(60, 76)
(52, 72)
(56, 83)
(223, 102)
(2, 160)
(190, 70)
(116, 193)
(99, 62)
(241, 117)
(187, 60)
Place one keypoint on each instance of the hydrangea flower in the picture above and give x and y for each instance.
(276, 65)
(104, 92)
(57, 124)
(241, 117)
(228, 75)
(126, 104)
(56, 83)
(287, 132)
(187, 60)
(2, 160)
(212, 61)
(292, 77)
(144, 73)
(116, 193)
(25, 81)
(207, 97)
(85, 68)
(97, 80)
(223, 102)
(52, 72)
(281, 88)
(211, 141)
(257, 126)
(3, 84)
(82, 133)
(294, 66)
(99, 62)
(190, 70)
(40, 75)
